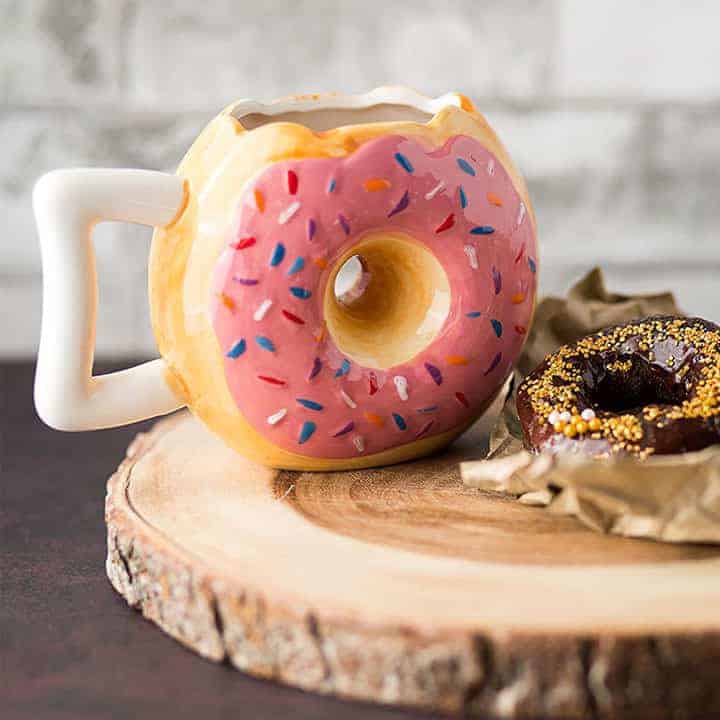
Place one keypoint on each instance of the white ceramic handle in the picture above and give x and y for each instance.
(68, 204)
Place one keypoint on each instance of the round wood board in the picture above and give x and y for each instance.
(401, 586)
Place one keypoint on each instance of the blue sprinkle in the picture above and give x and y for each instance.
(531, 265)
(277, 255)
(482, 230)
(463, 197)
(237, 349)
(465, 166)
(316, 368)
(301, 293)
(404, 162)
(497, 327)
(265, 343)
(497, 280)
(343, 223)
(402, 204)
(297, 266)
(428, 409)
(400, 421)
(344, 369)
(309, 404)
(473, 314)
(306, 432)
(332, 185)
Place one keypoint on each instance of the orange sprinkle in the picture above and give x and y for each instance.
(466, 103)
(493, 199)
(375, 184)
(374, 419)
(517, 298)
(319, 335)
(456, 360)
(321, 262)
(228, 302)
(259, 201)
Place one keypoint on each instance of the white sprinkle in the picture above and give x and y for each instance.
(440, 186)
(275, 418)
(348, 400)
(553, 417)
(565, 416)
(521, 213)
(472, 256)
(262, 309)
(491, 167)
(288, 212)
(359, 443)
(587, 414)
(401, 385)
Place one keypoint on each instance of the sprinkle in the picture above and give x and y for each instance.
(344, 369)
(446, 224)
(309, 404)
(456, 360)
(246, 281)
(288, 212)
(332, 185)
(471, 256)
(259, 200)
(402, 204)
(460, 397)
(376, 184)
(343, 223)
(316, 368)
(434, 373)
(293, 317)
(348, 400)
(374, 418)
(311, 228)
(465, 166)
(345, 429)
(493, 199)
(228, 302)
(372, 383)
(399, 421)
(565, 416)
(517, 298)
(425, 428)
(440, 186)
(482, 230)
(473, 314)
(297, 266)
(532, 265)
(401, 385)
(497, 280)
(237, 349)
(306, 431)
(301, 293)
(359, 443)
(520, 329)
(491, 167)
(275, 418)
(321, 262)
(497, 327)
(428, 409)
(587, 414)
(495, 362)
(521, 213)
(265, 343)
(262, 309)
(463, 197)
(319, 334)
(404, 162)
(518, 257)
(278, 254)
(292, 182)
(554, 417)
(243, 243)
(271, 380)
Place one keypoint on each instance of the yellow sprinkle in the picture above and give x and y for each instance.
(456, 360)
(320, 334)
(259, 201)
(375, 184)
(374, 419)
(581, 427)
(559, 426)
(570, 431)
(595, 424)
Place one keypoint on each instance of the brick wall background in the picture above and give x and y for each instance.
(611, 109)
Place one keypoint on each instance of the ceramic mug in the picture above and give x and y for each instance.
(335, 281)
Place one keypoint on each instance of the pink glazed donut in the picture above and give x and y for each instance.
(296, 383)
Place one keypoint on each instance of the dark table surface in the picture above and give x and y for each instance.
(69, 645)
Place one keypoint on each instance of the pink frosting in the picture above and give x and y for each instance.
(297, 218)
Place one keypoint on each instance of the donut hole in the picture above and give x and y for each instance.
(386, 300)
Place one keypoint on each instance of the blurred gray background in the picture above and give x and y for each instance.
(611, 109)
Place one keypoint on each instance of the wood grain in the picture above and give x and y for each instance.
(399, 586)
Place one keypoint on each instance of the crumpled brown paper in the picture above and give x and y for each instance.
(673, 498)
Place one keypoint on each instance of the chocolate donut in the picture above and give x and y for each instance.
(649, 386)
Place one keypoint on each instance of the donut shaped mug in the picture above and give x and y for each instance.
(257, 335)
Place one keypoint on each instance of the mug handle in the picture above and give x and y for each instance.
(68, 204)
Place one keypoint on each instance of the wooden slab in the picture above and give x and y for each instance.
(401, 586)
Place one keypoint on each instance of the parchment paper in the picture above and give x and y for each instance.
(673, 498)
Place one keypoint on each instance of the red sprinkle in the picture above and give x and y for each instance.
(520, 330)
(294, 318)
(292, 182)
(446, 224)
(271, 380)
(460, 397)
(243, 243)
(520, 253)
(372, 383)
